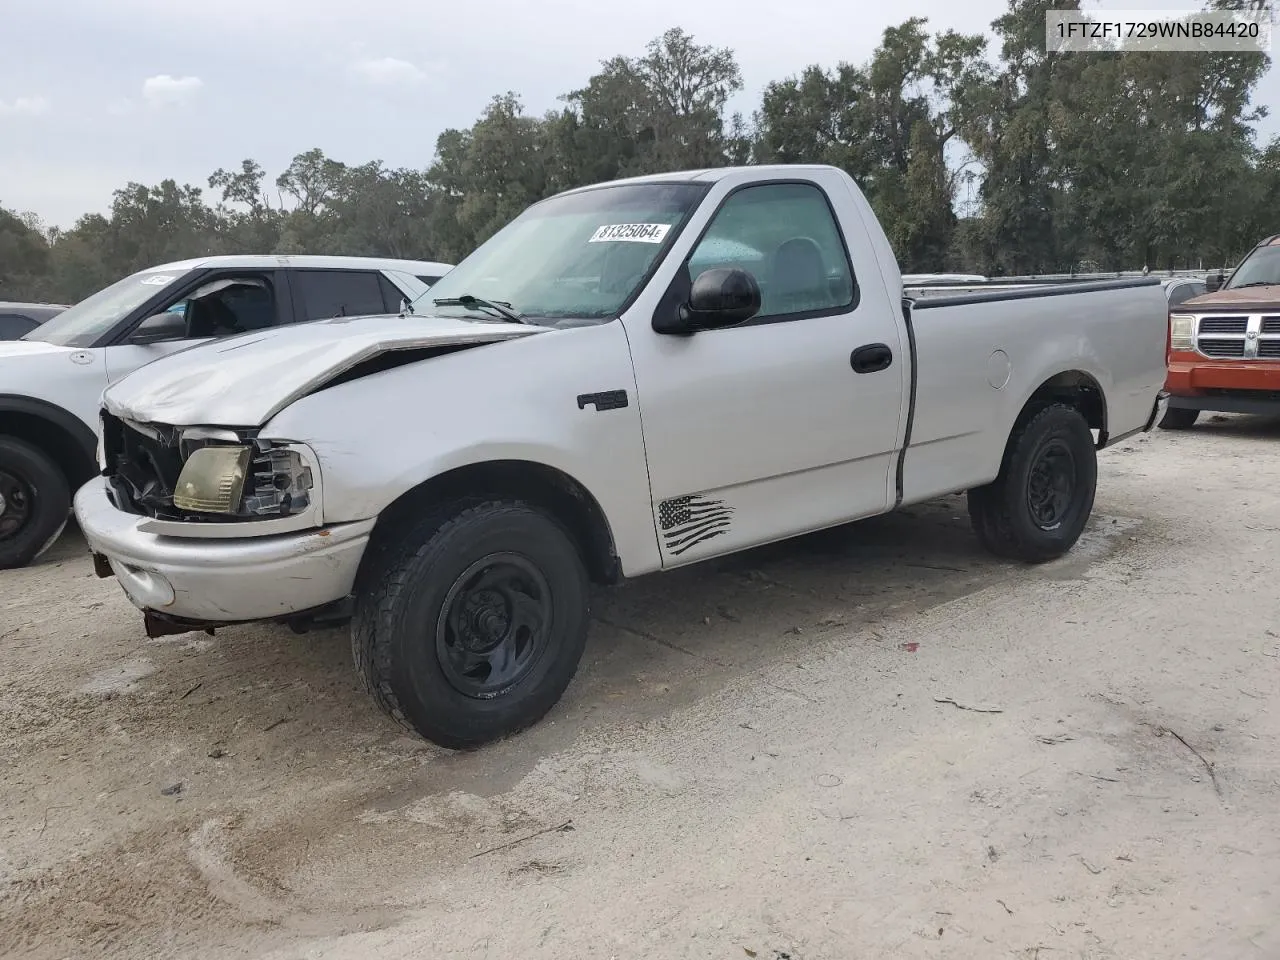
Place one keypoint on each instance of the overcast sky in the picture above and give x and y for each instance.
(94, 93)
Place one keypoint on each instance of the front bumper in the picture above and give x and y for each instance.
(1191, 377)
(218, 581)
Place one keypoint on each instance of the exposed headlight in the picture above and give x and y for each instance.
(1182, 332)
(212, 480)
(261, 480)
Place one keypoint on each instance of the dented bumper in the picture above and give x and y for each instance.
(220, 581)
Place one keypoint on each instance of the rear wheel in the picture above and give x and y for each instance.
(1179, 418)
(475, 622)
(1037, 507)
(35, 502)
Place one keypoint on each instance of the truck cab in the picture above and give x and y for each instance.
(1224, 346)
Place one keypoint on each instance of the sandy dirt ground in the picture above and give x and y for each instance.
(873, 742)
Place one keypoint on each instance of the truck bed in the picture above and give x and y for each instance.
(979, 356)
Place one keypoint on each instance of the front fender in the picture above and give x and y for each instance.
(380, 436)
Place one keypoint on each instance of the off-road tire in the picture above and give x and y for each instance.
(403, 591)
(1000, 511)
(1179, 418)
(49, 502)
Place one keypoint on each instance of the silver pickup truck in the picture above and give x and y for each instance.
(627, 378)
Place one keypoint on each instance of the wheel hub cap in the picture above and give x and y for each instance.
(486, 621)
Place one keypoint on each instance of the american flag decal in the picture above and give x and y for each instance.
(689, 521)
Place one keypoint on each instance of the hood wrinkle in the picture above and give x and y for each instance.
(245, 381)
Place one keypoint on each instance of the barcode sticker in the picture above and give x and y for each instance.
(631, 232)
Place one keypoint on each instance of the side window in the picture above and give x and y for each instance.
(221, 307)
(337, 293)
(427, 280)
(13, 326)
(786, 236)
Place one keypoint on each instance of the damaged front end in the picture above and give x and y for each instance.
(190, 480)
(211, 499)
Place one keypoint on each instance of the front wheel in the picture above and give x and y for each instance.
(474, 625)
(1179, 418)
(35, 502)
(1037, 507)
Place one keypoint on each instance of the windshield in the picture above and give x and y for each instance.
(83, 324)
(1261, 266)
(578, 256)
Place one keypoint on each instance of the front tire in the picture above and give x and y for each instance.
(1179, 418)
(35, 502)
(1037, 507)
(474, 623)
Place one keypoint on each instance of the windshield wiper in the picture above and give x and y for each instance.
(1257, 283)
(497, 306)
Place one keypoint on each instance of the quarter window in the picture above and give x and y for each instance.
(785, 235)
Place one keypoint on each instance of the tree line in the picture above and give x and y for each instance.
(1054, 162)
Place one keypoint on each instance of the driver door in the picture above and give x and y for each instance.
(769, 428)
(218, 305)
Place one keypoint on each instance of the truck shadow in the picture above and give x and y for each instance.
(662, 642)
(656, 643)
(1235, 425)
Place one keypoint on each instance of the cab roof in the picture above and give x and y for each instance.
(268, 261)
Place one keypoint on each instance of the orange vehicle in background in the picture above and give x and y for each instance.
(1224, 346)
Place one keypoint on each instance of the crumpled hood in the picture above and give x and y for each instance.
(246, 380)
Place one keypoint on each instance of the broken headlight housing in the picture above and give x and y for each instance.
(257, 480)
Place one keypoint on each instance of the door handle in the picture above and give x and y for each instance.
(871, 358)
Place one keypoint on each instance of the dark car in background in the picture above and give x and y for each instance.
(19, 319)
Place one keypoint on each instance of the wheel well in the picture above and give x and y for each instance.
(57, 442)
(1075, 389)
(534, 483)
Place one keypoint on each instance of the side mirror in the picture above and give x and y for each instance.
(721, 297)
(1214, 281)
(160, 328)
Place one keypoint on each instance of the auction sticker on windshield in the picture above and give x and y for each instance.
(631, 232)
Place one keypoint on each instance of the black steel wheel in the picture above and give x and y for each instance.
(1038, 505)
(1051, 483)
(35, 502)
(470, 625)
(494, 624)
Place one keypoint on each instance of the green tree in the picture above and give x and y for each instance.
(887, 123)
(664, 110)
(24, 258)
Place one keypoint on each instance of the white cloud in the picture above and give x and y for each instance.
(164, 89)
(24, 107)
(388, 72)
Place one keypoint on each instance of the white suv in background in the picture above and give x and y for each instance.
(52, 379)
